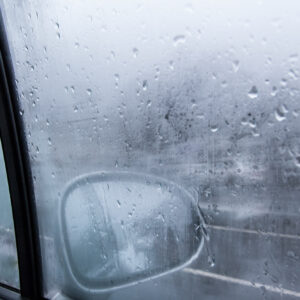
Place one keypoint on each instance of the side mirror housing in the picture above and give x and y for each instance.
(120, 228)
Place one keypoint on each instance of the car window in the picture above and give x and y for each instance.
(9, 273)
(137, 115)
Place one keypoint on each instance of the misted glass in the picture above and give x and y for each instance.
(202, 94)
(9, 272)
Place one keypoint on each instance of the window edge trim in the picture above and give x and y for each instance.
(19, 177)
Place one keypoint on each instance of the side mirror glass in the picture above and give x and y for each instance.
(116, 229)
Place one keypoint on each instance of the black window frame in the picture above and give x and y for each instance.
(20, 182)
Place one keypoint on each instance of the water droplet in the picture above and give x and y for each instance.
(194, 105)
(224, 84)
(75, 108)
(171, 65)
(89, 92)
(235, 65)
(214, 128)
(280, 113)
(145, 85)
(117, 79)
(283, 82)
(119, 203)
(291, 254)
(274, 91)
(179, 39)
(244, 122)
(255, 133)
(135, 52)
(189, 8)
(252, 123)
(293, 57)
(293, 74)
(200, 116)
(297, 162)
(21, 112)
(49, 142)
(211, 261)
(253, 93)
(296, 113)
(161, 217)
(284, 108)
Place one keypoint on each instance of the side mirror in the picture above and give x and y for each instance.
(120, 228)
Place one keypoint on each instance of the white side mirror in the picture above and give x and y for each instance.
(117, 229)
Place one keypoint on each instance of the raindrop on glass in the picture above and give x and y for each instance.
(253, 93)
(214, 128)
(274, 91)
(89, 92)
(145, 85)
(178, 39)
(135, 52)
(297, 162)
(280, 113)
(235, 65)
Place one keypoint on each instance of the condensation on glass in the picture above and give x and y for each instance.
(204, 94)
(9, 272)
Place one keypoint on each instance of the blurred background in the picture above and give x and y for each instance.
(202, 93)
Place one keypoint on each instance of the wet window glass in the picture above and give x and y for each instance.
(9, 272)
(164, 143)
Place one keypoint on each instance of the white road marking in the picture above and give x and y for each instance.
(248, 283)
(272, 234)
